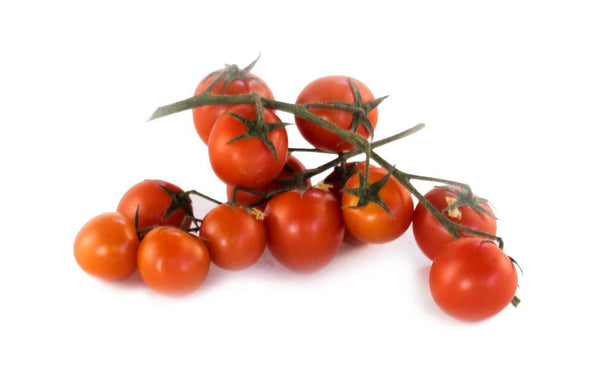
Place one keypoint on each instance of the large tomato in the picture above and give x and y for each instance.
(232, 81)
(431, 236)
(234, 237)
(172, 261)
(335, 89)
(371, 222)
(247, 162)
(106, 246)
(304, 230)
(472, 279)
(291, 168)
(157, 203)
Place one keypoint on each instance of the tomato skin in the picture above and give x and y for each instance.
(106, 247)
(235, 238)
(172, 261)
(292, 166)
(329, 89)
(371, 223)
(153, 202)
(205, 116)
(304, 230)
(247, 162)
(472, 279)
(431, 236)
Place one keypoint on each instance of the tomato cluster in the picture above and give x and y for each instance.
(273, 205)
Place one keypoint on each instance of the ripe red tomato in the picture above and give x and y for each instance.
(328, 89)
(172, 261)
(160, 203)
(471, 279)
(247, 162)
(372, 223)
(106, 247)
(205, 116)
(304, 230)
(431, 236)
(235, 238)
(290, 169)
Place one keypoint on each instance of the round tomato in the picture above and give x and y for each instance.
(157, 203)
(172, 261)
(304, 230)
(431, 236)
(472, 279)
(235, 238)
(371, 222)
(291, 168)
(106, 246)
(247, 162)
(336, 89)
(231, 81)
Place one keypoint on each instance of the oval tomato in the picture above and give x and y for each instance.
(330, 89)
(247, 162)
(371, 222)
(431, 236)
(172, 261)
(304, 230)
(291, 168)
(106, 246)
(472, 279)
(160, 203)
(235, 238)
(239, 83)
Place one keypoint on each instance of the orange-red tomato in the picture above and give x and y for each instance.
(372, 223)
(325, 90)
(205, 116)
(431, 236)
(157, 202)
(472, 279)
(235, 238)
(106, 246)
(246, 162)
(304, 230)
(172, 261)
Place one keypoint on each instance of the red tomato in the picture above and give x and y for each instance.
(205, 116)
(160, 203)
(472, 279)
(431, 236)
(372, 223)
(325, 90)
(106, 247)
(247, 162)
(304, 230)
(235, 238)
(292, 167)
(172, 261)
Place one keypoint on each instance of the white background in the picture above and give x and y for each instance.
(509, 91)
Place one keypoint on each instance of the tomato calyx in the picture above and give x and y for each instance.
(464, 197)
(179, 199)
(230, 73)
(369, 192)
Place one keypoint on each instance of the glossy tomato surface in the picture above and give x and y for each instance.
(304, 230)
(106, 246)
(472, 279)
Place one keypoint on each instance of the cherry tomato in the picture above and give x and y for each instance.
(328, 89)
(205, 116)
(304, 230)
(431, 236)
(160, 203)
(472, 279)
(292, 167)
(372, 223)
(235, 238)
(246, 162)
(172, 261)
(106, 246)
